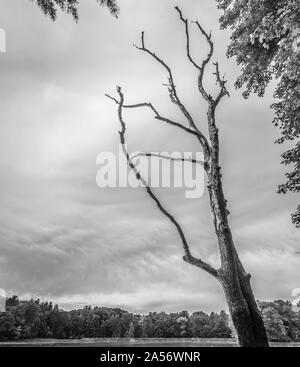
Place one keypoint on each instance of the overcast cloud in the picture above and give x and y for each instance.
(65, 239)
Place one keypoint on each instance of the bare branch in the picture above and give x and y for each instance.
(188, 256)
(174, 96)
(202, 265)
(172, 88)
(222, 84)
(162, 156)
(213, 150)
(210, 43)
(157, 115)
(203, 92)
(185, 21)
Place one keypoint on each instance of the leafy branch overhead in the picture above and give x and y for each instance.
(50, 7)
(265, 40)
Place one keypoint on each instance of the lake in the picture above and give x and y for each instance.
(141, 342)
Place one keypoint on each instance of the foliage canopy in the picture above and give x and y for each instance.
(265, 40)
(50, 7)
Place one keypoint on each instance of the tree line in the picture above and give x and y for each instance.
(27, 319)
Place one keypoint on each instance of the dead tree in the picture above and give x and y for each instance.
(234, 279)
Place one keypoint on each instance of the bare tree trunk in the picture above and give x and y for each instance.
(232, 276)
(234, 279)
(244, 312)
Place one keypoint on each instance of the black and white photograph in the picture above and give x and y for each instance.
(149, 177)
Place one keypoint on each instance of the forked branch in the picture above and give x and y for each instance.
(210, 152)
(188, 257)
(220, 81)
(156, 113)
(174, 96)
(201, 88)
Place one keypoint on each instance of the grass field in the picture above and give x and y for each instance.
(155, 342)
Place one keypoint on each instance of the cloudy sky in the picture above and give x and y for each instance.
(65, 239)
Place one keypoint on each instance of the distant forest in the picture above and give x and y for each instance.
(27, 319)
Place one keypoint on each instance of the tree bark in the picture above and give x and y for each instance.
(232, 276)
(244, 312)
